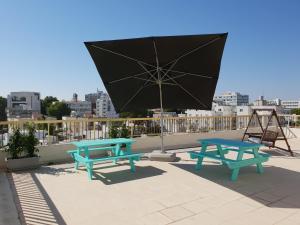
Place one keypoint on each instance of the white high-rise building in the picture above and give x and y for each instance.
(290, 104)
(92, 98)
(79, 108)
(232, 98)
(23, 104)
(216, 110)
(105, 108)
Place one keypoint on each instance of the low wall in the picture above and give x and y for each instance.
(57, 153)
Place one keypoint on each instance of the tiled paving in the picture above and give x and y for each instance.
(162, 193)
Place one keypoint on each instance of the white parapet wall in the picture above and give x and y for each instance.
(57, 153)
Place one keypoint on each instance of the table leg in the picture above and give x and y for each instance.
(221, 153)
(132, 166)
(128, 148)
(86, 152)
(89, 167)
(235, 172)
(200, 158)
(259, 167)
(117, 152)
(76, 165)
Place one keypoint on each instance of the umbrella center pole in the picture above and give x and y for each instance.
(162, 155)
(161, 117)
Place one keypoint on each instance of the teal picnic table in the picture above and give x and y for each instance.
(224, 146)
(81, 154)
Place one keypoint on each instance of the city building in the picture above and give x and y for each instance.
(204, 113)
(105, 108)
(165, 114)
(225, 110)
(290, 104)
(92, 98)
(79, 108)
(276, 101)
(232, 98)
(287, 105)
(217, 110)
(23, 105)
(261, 101)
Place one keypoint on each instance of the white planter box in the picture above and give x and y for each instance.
(22, 163)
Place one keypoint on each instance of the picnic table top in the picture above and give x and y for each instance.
(97, 142)
(232, 143)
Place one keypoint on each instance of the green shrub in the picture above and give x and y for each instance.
(30, 142)
(124, 132)
(22, 144)
(15, 145)
(118, 132)
(113, 132)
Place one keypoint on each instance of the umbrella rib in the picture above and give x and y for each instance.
(135, 94)
(156, 55)
(189, 93)
(138, 78)
(188, 74)
(152, 75)
(173, 62)
(167, 83)
(125, 56)
(132, 76)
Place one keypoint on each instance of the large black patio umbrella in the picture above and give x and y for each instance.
(160, 72)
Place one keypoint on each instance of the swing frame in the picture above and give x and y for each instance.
(267, 136)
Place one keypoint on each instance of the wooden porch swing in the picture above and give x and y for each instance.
(266, 136)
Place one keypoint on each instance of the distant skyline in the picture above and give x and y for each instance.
(41, 42)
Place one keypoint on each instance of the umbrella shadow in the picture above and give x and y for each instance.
(126, 175)
(56, 170)
(276, 187)
(274, 152)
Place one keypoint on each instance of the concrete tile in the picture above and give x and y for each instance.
(230, 210)
(293, 200)
(287, 222)
(284, 207)
(267, 197)
(205, 218)
(8, 210)
(195, 206)
(264, 216)
(295, 217)
(155, 219)
(176, 213)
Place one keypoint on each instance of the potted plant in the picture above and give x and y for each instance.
(124, 132)
(119, 132)
(22, 150)
(113, 132)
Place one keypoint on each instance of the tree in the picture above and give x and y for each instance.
(136, 114)
(3, 104)
(46, 102)
(58, 110)
(295, 111)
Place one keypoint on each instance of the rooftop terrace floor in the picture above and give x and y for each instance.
(161, 193)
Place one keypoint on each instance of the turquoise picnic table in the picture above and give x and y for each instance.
(224, 146)
(81, 154)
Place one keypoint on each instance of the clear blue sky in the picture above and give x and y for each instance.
(41, 42)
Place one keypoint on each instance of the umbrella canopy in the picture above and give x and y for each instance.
(156, 72)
